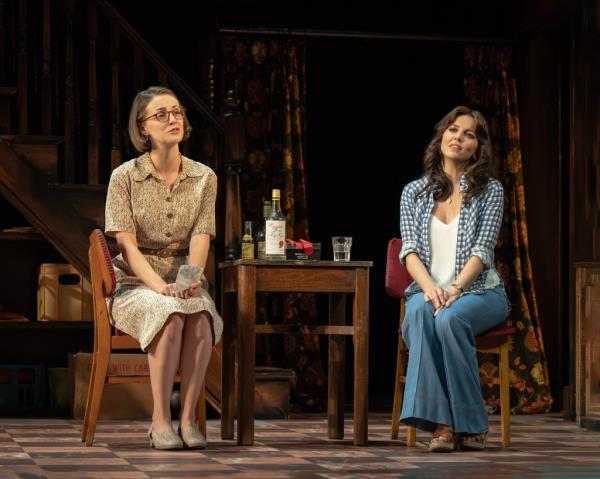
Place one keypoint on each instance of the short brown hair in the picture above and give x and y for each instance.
(138, 110)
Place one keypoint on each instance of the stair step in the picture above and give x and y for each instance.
(42, 151)
(78, 188)
(26, 188)
(87, 200)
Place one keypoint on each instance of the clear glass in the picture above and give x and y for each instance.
(341, 247)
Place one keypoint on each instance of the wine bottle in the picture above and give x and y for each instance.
(275, 230)
(247, 241)
(260, 234)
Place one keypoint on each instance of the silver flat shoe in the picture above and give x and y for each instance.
(192, 437)
(166, 439)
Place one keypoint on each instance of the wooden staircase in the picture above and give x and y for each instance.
(63, 127)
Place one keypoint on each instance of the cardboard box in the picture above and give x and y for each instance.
(272, 392)
(63, 294)
(119, 401)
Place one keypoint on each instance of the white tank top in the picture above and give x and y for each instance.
(442, 249)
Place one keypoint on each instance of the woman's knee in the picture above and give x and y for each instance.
(418, 313)
(173, 327)
(417, 306)
(199, 323)
(448, 322)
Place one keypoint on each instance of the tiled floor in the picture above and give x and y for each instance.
(542, 446)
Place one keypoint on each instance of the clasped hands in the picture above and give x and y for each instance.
(441, 298)
(171, 290)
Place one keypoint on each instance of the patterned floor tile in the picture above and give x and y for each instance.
(542, 447)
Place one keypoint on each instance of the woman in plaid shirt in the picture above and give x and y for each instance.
(449, 221)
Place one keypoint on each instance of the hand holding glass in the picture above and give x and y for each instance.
(187, 276)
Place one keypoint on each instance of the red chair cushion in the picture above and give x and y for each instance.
(500, 330)
(397, 278)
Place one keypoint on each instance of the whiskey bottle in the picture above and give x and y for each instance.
(247, 241)
(275, 230)
(260, 234)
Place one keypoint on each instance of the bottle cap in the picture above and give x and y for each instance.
(276, 194)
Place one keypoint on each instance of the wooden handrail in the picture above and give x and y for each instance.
(161, 65)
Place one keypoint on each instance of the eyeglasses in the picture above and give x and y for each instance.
(163, 116)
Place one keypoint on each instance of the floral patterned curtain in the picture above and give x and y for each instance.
(269, 76)
(491, 88)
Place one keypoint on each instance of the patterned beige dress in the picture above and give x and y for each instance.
(139, 202)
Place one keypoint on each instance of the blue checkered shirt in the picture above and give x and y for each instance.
(478, 227)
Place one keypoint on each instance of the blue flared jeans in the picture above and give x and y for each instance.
(442, 378)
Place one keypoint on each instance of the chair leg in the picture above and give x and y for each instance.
(398, 389)
(201, 410)
(95, 394)
(504, 395)
(411, 436)
(86, 418)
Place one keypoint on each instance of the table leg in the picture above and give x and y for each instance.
(246, 293)
(228, 302)
(336, 376)
(360, 319)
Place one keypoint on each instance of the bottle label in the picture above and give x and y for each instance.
(275, 237)
(261, 249)
(247, 250)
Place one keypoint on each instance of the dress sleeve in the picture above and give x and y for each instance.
(407, 223)
(118, 215)
(205, 222)
(489, 222)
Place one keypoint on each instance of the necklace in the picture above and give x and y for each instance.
(449, 200)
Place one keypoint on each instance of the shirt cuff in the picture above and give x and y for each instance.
(407, 247)
(111, 228)
(484, 255)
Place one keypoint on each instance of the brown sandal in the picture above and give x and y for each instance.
(444, 442)
(473, 442)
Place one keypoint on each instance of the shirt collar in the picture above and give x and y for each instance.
(464, 184)
(145, 168)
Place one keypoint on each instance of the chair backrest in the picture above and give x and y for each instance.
(101, 268)
(397, 278)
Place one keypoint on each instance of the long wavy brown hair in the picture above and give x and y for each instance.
(479, 168)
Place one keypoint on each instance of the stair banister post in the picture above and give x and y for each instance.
(22, 75)
(46, 69)
(70, 127)
(93, 127)
(234, 152)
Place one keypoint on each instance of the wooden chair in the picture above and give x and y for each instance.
(106, 340)
(495, 341)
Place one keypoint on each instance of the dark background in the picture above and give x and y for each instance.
(367, 129)
(371, 107)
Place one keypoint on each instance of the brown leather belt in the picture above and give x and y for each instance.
(163, 252)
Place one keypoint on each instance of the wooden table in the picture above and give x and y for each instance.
(246, 278)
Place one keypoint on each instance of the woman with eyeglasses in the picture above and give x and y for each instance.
(161, 209)
(449, 221)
